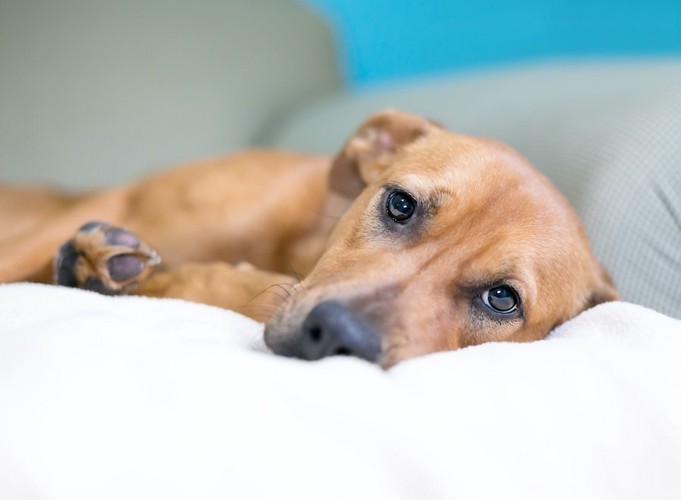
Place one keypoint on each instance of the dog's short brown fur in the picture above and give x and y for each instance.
(484, 219)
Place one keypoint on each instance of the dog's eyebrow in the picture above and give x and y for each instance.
(504, 276)
(427, 190)
(441, 195)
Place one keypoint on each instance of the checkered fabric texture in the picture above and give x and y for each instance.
(621, 168)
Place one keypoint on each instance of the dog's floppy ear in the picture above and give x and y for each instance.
(373, 147)
(604, 289)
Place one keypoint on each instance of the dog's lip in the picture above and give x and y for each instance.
(279, 346)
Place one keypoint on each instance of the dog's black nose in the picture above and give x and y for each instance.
(333, 329)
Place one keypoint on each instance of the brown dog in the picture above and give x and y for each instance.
(413, 240)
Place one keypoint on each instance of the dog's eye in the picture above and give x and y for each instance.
(400, 206)
(502, 299)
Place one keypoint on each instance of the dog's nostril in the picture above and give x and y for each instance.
(315, 333)
(333, 329)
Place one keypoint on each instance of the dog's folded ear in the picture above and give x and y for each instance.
(373, 147)
(604, 289)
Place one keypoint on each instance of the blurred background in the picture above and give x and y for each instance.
(95, 92)
(384, 40)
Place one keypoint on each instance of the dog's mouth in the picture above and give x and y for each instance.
(331, 328)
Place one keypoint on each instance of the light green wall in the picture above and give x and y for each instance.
(94, 92)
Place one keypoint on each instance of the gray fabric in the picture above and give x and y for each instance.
(632, 207)
(517, 105)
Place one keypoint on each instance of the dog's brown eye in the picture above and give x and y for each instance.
(501, 299)
(400, 206)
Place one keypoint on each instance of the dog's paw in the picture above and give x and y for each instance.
(105, 259)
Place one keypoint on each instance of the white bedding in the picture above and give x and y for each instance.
(126, 398)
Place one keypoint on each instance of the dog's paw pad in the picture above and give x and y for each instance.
(105, 259)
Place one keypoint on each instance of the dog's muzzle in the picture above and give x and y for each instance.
(330, 329)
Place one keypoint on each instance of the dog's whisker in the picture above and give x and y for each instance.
(264, 309)
(293, 287)
(296, 275)
(267, 290)
(271, 307)
(259, 308)
(281, 287)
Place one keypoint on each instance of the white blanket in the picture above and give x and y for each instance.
(127, 398)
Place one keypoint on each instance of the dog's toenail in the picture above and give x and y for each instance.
(154, 258)
(124, 267)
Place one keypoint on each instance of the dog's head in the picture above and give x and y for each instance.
(451, 241)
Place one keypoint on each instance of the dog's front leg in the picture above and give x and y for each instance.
(242, 288)
(114, 261)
